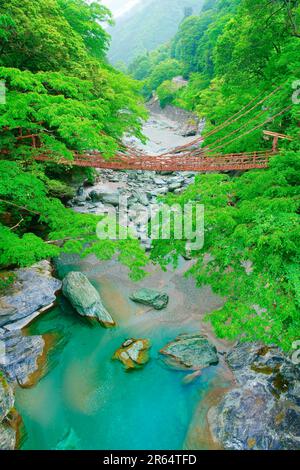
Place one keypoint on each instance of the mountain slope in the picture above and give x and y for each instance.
(119, 7)
(147, 25)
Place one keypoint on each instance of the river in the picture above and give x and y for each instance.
(87, 401)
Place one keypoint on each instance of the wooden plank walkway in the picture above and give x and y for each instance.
(186, 162)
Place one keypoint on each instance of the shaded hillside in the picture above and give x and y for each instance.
(148, 25)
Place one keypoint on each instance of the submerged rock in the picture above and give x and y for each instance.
(155, 299)
(262, 412)
(133, 353)
(85, 299)
(32, 292)
(190, 351)
(70, 441)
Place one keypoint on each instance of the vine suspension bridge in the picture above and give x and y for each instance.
(192, 157)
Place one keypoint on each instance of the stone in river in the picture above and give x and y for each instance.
(174, 186)
(6, 397)
(105, 197)
(7, 434)
(159, 181)
(141, 197)
(22, 355)
(32, 292)
(111, 198)
(85, 299)
(157, 191)
(190, 351)
(262, 411)
(153, 298)
(133, 353)
(7, 437)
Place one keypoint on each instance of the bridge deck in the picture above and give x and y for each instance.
(237, 161)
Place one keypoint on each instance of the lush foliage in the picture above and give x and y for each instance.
(166, 91)
(61, 97)
(251, 253)
(233, 54)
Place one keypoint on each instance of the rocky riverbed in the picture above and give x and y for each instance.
(257, 405)
(138, 191)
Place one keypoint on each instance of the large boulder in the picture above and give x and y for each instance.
(6, 397)
(7, 434)
(32, 293)
(251, 417)
(141, 197)
(111, 198)
(133, 353)
(190, 351)
(105, 197)
(21, 359)
(85, 299)
(262, 412)
(8, 437)
(153, 298)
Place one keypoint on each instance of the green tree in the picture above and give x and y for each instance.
(165, 70)
(166, 92)
(61, 97)
(185, 43)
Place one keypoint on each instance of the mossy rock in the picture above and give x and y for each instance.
(153, 298)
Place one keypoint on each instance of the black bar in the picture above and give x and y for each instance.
(134, 459)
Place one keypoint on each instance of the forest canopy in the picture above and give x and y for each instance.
(61, 96)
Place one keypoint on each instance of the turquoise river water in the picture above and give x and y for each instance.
(86, 400)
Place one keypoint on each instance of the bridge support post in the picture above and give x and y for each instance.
(275, 144)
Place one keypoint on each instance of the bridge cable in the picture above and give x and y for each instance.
(237, 116)
(254, 128)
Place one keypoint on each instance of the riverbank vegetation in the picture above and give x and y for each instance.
(233, 55)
